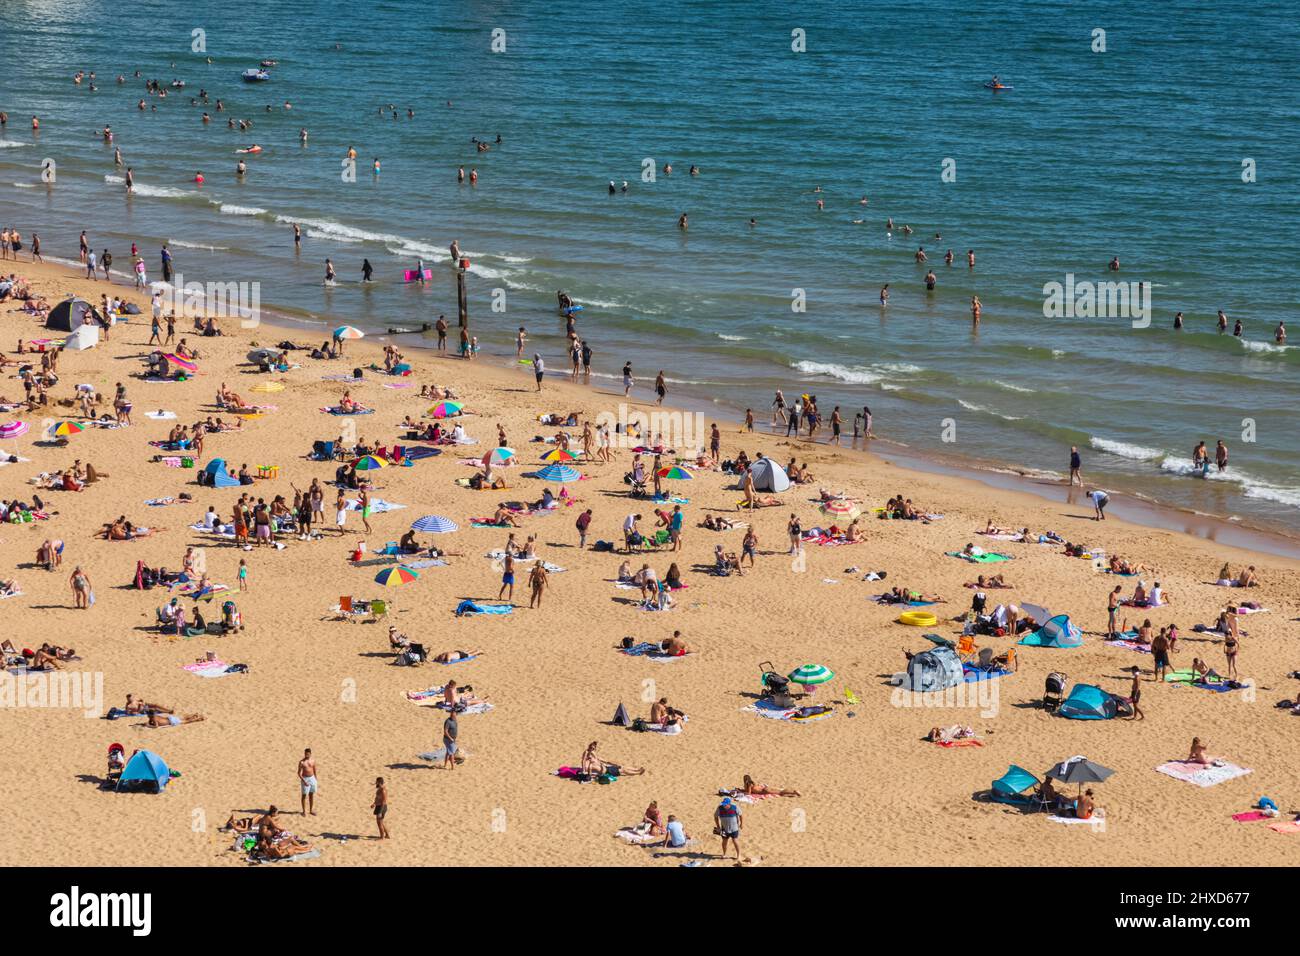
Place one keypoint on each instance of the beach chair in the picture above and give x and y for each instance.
(378, 610)
(966, 649)
(381, 452)
(399, 453)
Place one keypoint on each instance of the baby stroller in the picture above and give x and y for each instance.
(116, 762)
(638, 487)
(776, 687)
(1054, 691)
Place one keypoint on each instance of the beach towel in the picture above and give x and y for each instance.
(641, 837)
(1250, 815)
(1200, 775)
(987, 558)
(1096, 815)
(1187, 678)
(377, 505)
(651, 652)
(473, 607)
(159, 502)
(765, 708)
(964, 742)
(309, 855)
(217, 668)
(973, 675)
(160, 415)
(426, 563)
(499, 555)
(335, 410)
(439, 755)
(1286, 826)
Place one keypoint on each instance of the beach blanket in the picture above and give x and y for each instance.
(433, 698)
(439, 755)
(986, 558)
(335, 410)
(1200, 775)
(765, 708)
(973, 675)
(216, 668)
(309, 855)
(377, 505)
(1250, 815)
(651, 652)
(1130, 645)
(426, 563)
(159, 502)
(1096, 815)
(641, 836)
(485, 523)
(964, 742)
(1188, 678)
(160, 415)
(881, 599)
(1286, 826)
(499, 555)
(473, 607)
(459, 660)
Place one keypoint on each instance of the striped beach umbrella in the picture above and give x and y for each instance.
(499, 456)
(434, 524)
(180, 362)
(395, 577)
(559, 454)
(675, 472)
(841, 509)
(812, 674)
(13, 429)
(369, 463)
(62, 429)
(558, 473)
(348, 332)
(445, 409)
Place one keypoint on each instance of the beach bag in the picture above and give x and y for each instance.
(603, 546)
(639, 725)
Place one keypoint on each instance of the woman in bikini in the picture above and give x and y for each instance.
(750, 788)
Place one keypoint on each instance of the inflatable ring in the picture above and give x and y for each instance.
(918, 618)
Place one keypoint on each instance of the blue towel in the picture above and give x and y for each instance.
(472, 607)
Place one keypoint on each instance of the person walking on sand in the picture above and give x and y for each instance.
(307, 780)
(1112, 611)
(1076, 463)
(728, 822)
(539, 369)
(661, 388)
(450, 731)
(795, 530)
(380, 806)
(363, 505)
(81, 587)
(583, 523)
(537, 581)
(507, 576)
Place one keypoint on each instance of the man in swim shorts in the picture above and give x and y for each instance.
(307, 778)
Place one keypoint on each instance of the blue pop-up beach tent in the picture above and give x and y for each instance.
(1056, 632)
(145, 769)
(1087, 702)
(217, 476)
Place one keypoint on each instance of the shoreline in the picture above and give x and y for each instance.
(1158, 515)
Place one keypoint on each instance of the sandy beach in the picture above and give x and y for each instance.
(872, 791)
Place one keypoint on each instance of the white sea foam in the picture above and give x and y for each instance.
(733, 338)
(10, 144)
(1013, 388)
(24, 185)
(856, 374)
(1125, 450)
(333, 237)
(144, 189)
(1263, 346)
(972, 407)
(1251, 487)
(197, 245)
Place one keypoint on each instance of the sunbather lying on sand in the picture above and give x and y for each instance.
(1246, 579)
(450, 657)
(949, 734)
(595, 766)
(247, 824)
(717, 524)
(990, 582)
(752, 789)
(157, 719)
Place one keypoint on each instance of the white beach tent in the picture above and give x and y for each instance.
(768, 475)
(81, 338)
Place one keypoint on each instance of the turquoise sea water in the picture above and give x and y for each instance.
(1136, 152)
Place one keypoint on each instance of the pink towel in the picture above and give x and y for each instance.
(1250, 815)
(1290, 826)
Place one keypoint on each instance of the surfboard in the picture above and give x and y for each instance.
(410, 275)
(990, 86)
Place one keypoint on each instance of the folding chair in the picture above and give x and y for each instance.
(378, 610)
(966, 649)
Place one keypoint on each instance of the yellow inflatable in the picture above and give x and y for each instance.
(918, 618)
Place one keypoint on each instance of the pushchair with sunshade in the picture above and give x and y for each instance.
(1054, 691)
(776, 687)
